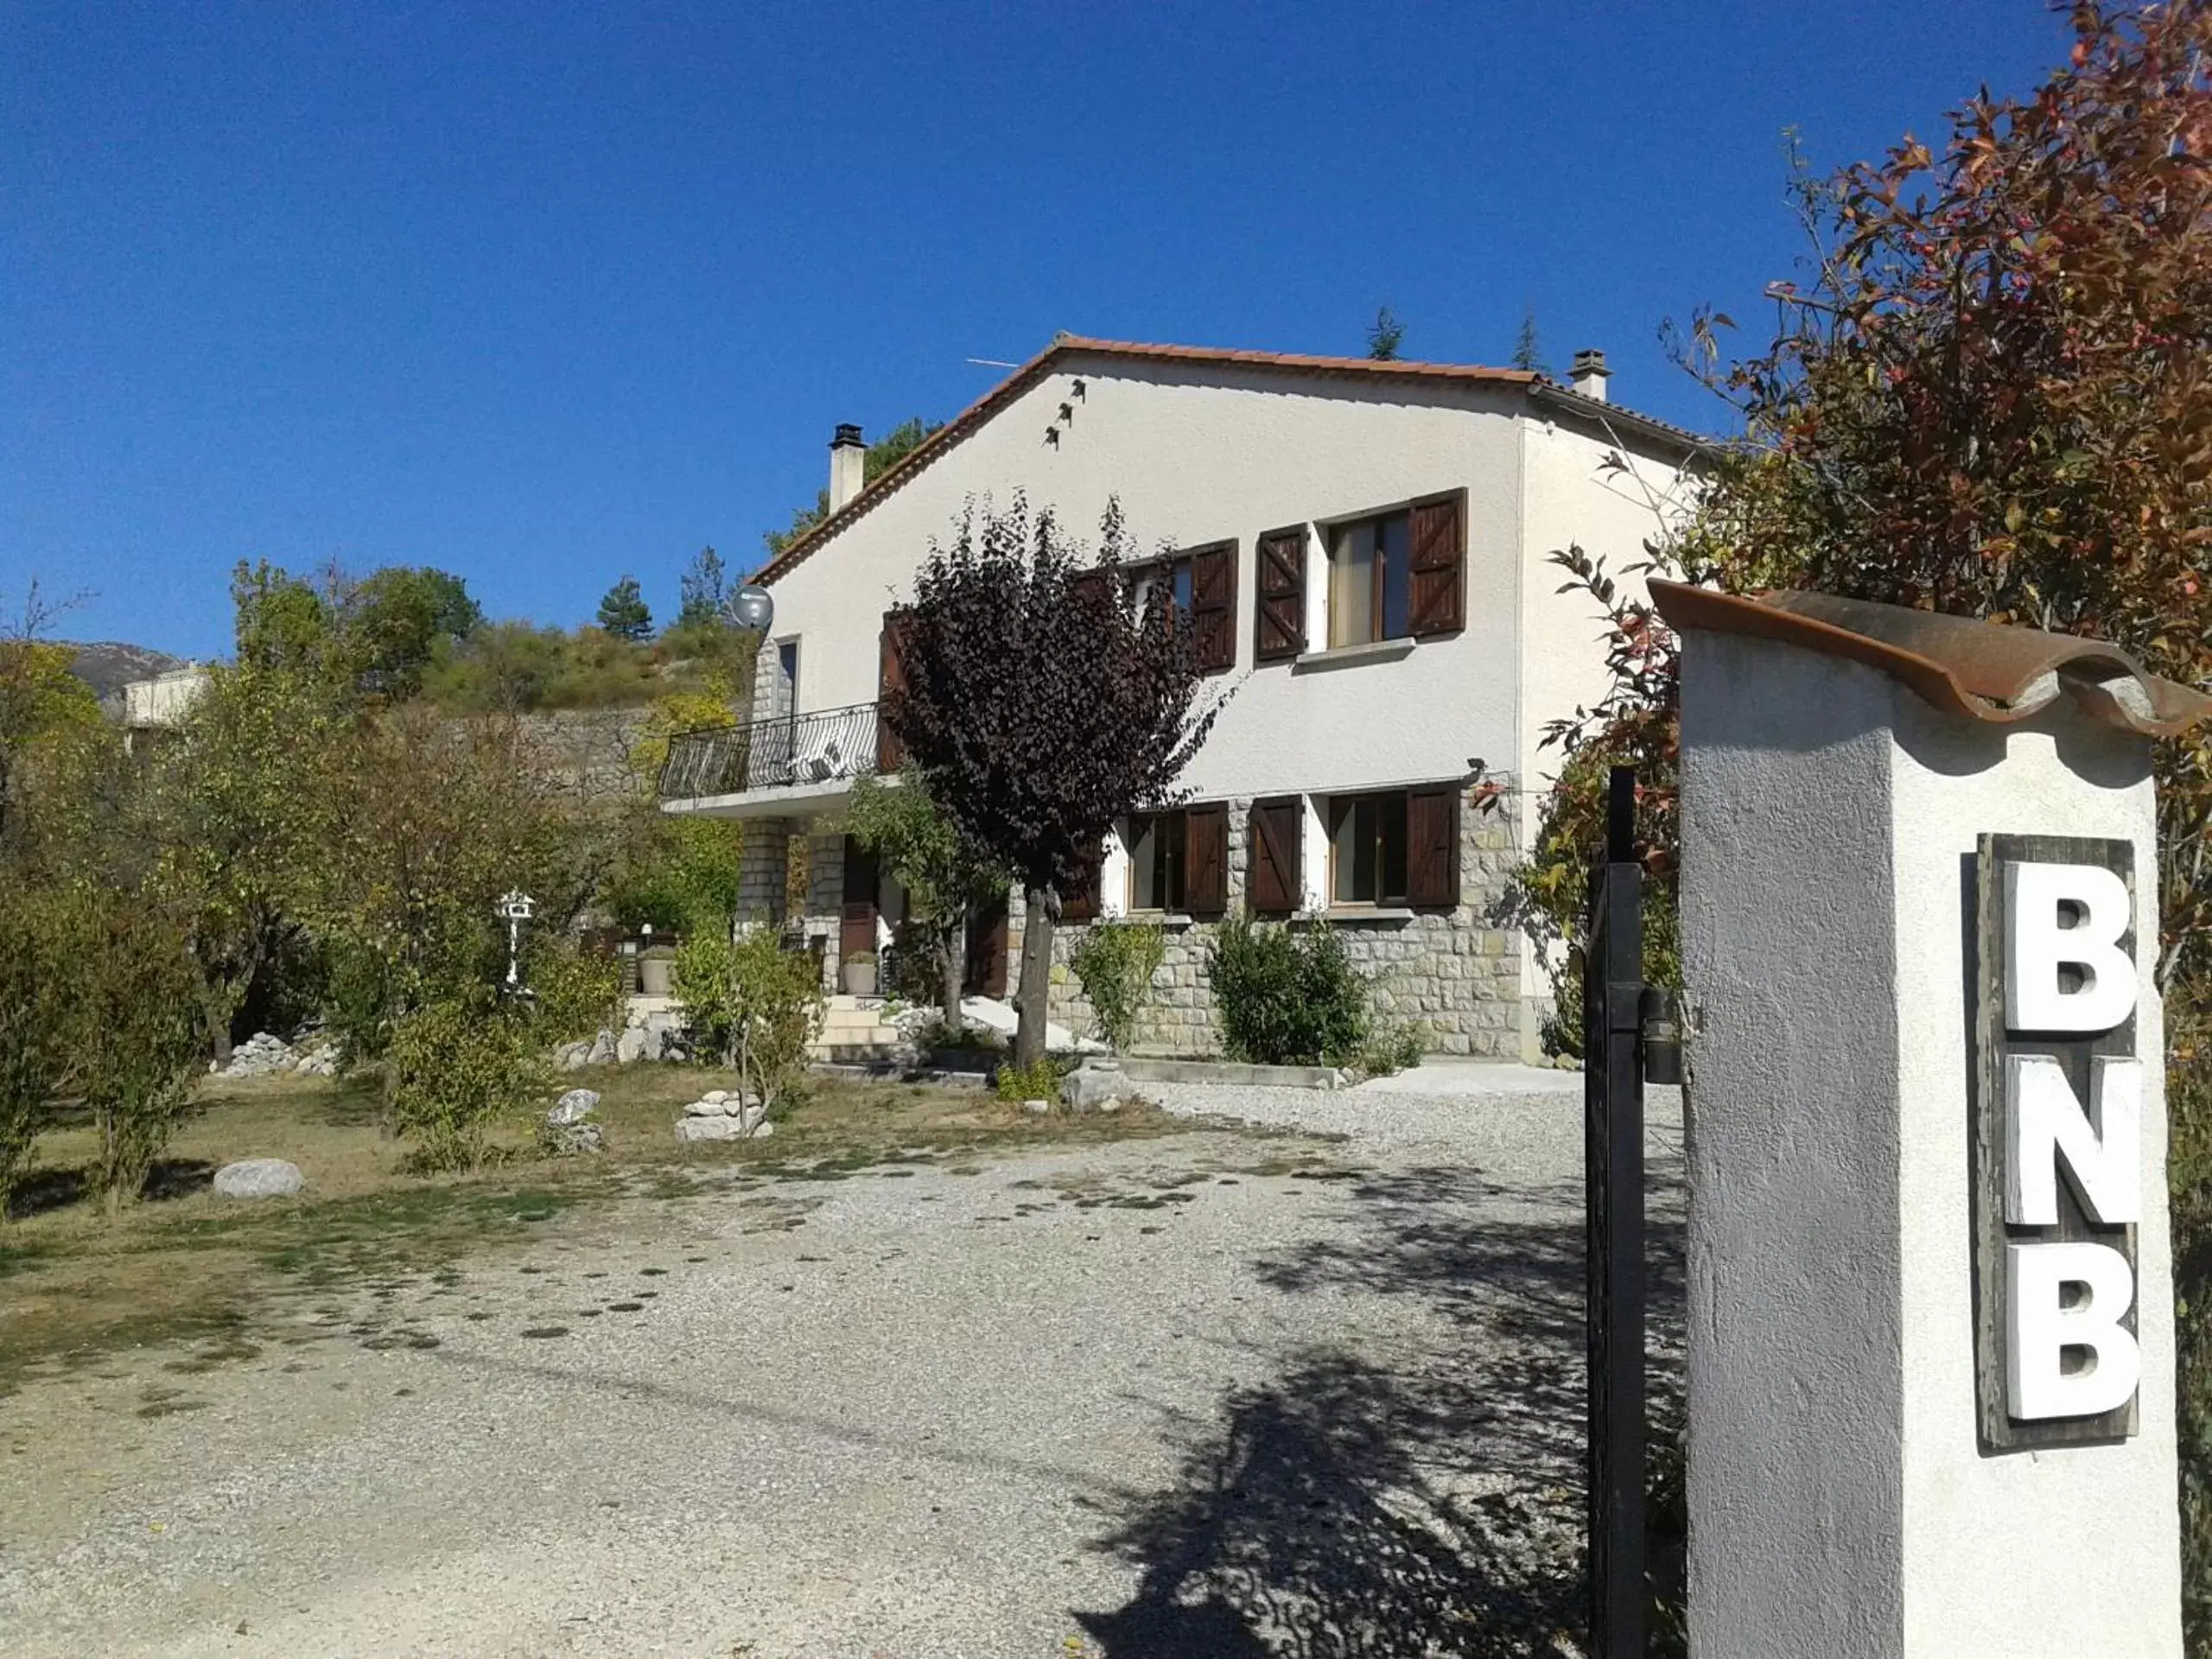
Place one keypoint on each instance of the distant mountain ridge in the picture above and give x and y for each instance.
(107, 665)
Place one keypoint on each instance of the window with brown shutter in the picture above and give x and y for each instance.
(1273, 882)
(1432, 847)
(1279, 617)
(889, 676)
(1205, 859)
(1213, 606)
(1437, 600)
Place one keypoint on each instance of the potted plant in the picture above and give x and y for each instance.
(655, 960)
(858, 970)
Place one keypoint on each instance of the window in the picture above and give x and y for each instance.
(1367, 849)
(1368, 579)
(1201, 584)
(1156, 864)
(1172, 576)
(1179, 862)
(1397, 576)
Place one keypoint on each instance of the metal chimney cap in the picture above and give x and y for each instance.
(1588, 361)
(848, 437)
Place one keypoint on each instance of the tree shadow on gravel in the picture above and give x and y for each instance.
(1424, 1501)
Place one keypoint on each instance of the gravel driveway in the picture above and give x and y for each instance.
(1229, 1392)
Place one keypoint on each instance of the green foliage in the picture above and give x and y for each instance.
(376, 637)
(35, 1011)
(682, 877)
(883, 455)
(234, 810)
(520, 668)
(137, 1039)
(1390, 1048)
(459, 1066)
(623, 612)
(753, 1005)
(702, 587)
(575, 993)
(1384, 336)
(1528, 354)
(1116, 961)
(1038, 1081)
(1288, 997)
(945, 875)
(48, 716)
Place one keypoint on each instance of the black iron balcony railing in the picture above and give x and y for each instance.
(792, 750)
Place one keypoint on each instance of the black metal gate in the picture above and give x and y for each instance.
(1628, 1031)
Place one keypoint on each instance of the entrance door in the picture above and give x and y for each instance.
(986, 949)
(856, 914)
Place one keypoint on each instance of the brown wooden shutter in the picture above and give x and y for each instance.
(890, 678)
(1279, 617)
(1205, 859)
(1432, 847)
(856, 915)
(1213, 606)
(1273, 885)
(1082, 905)
(1439, 567)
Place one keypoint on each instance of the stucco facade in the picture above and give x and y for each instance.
(1204, 448)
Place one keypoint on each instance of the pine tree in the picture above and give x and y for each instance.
(1386, 335)
(623, 612)
(1527, 354)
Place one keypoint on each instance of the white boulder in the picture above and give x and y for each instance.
(259, 1177)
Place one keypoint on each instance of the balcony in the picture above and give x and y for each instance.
(767, 764)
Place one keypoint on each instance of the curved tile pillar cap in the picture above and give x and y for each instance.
(1985, 670)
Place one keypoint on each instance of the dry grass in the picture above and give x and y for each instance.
(183, 1262)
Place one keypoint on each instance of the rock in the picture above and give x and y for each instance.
(710, 1108)
(1036, 1105)
(259, 1177)
(571, 1057)
(630, 1048)
(574, 1107)
(721, 1127)
(569, 1140)
(1095, 1086)
(715, 1094)
(602, 1050)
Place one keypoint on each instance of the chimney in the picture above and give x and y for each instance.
(1589, 375)
(848, 465)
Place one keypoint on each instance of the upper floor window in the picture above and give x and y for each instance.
(1397, 575)
(1368, 579)
(1201, 585)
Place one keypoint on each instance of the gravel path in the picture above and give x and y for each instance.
(1226, 1393)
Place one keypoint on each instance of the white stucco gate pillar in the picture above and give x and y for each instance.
(1930, 1295)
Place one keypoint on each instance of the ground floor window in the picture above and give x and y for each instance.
(1156, 843)
(1367, 848)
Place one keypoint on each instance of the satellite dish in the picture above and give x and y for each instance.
(751, 606)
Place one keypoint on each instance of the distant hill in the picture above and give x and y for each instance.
(107, 665)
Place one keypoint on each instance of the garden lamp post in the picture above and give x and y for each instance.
(515, 909)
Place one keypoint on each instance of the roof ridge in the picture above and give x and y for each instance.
(1063, 343)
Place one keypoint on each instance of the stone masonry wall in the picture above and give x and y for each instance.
(1454, 977)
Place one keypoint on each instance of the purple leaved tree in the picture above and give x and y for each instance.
(1041, 701)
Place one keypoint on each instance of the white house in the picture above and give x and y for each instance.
(1370, 539)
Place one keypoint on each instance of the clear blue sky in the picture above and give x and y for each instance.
(541, 294)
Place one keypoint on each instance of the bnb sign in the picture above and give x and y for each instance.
(2059, 1136)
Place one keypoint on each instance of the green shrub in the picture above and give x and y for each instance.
(1390, 1048)
(1116, 961)
(457, 1067)
(139, 1039)
(755, 1005)
(577, 994)
(34, 1009)
(1038, 1082)
(1286, 997)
